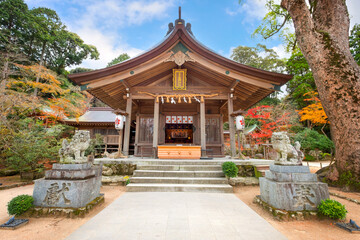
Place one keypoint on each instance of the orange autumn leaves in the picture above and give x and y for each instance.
(314, 112)
(48, 83)
(56, 99)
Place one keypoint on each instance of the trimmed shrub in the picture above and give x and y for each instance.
(311, 140)
(20, 204)
(332, 209)
(230, 169)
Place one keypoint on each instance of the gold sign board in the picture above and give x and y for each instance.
(179, 79)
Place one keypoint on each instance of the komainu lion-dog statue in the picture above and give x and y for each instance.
(287, 154)
(74, 152)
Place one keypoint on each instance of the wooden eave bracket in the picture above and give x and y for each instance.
(119, 111)
(238, 112)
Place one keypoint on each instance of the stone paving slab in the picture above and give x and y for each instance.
(177, 215)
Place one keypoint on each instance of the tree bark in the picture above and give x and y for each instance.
(323, 39)
(4, 75)
(40, 65)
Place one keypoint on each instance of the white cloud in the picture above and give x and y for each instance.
(253, 9)
(281, 51)
(353, 8)
(121, 13)
(109, 47)
(100, 22)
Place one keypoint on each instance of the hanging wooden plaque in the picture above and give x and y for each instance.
(179, 79)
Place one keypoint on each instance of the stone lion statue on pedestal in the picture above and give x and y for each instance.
(287, 154)
(74, 152)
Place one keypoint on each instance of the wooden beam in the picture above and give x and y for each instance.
(226, 72)
(193, 89)
(127, 126)
(236, 82)
(238, 112)
(124, 82)
(202, 128)
(224, 104)
(127, 73)
(231, 127)
(155, 79)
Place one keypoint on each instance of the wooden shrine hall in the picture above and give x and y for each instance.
(177, 96)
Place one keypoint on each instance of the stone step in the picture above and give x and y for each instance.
(180, 167)
(262, 167)
(157, 173)
(179, 180)
(179, 162)
(154, 187)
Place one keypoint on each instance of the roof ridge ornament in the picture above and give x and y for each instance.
(179, 21)
(179, 58)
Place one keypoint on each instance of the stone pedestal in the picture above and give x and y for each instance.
(68, 185)
(292, 188)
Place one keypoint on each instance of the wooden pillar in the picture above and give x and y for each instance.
(222, 133)
(156, 126)
(202, 128)
(137, 131)
(127, 126)
(231, 127)
(120, 140)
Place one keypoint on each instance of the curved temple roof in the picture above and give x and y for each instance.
(111, 85)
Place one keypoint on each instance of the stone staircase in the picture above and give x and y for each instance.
(179, 176)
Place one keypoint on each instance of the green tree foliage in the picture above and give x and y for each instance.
(122, 57)
(13, 18)
(80, 70)
(259, 57)
(69, 49)
(311, 140)
(41, 36)
(303, 80)
(354, 41)
(276, 21)
(27, 143)
(263, 58)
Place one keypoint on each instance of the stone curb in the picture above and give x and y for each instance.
(283, 215)
(343, 197)
(41, 212)
(15, 185)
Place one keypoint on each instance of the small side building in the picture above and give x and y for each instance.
(99, 120)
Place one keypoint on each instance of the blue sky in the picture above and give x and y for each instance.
(134, 26)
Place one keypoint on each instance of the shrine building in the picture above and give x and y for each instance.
(177, 96)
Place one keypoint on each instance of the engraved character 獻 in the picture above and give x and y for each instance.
(54, 193)
(302, 196)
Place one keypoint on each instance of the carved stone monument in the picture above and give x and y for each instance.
(288, 185)
(73, 184)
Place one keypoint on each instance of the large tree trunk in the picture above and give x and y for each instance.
(40, 65)
(4, 74)
(323, 39)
